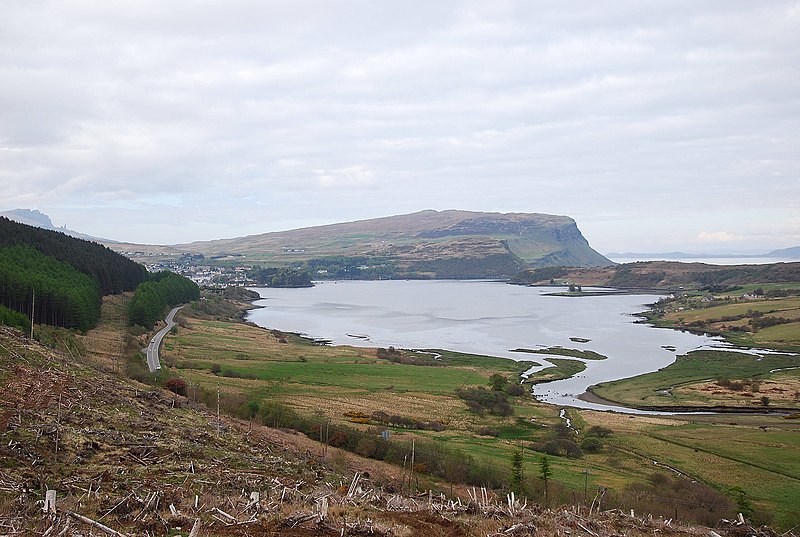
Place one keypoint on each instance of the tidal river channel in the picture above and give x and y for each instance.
(483, 317)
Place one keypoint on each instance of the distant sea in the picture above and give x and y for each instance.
(707, 260)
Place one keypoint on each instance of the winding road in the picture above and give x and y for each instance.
(152, 349)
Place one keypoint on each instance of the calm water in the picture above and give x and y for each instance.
(483, 318)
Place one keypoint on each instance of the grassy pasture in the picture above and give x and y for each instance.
(328, 381)
(778, 306)
(298, 370)
(788, 334)
(665, 386)
(764, 463)
(757, 453)
(689, 311)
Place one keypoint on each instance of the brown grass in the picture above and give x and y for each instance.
(105, 344)
(780, 389)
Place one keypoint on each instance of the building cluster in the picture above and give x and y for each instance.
(219, 276)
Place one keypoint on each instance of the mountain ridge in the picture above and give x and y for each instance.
(509, 241)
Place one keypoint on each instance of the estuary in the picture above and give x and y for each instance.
(484, 317)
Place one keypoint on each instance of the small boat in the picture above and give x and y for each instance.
(358, 336)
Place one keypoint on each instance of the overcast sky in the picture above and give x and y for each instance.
(657, 125)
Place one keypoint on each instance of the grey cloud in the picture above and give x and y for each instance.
(357, 109)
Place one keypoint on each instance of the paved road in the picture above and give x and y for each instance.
(152, 349)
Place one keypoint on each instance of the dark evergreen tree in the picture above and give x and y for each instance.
(114, 273)
(152, 298)
(63, 295)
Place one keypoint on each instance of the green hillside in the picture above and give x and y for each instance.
(64, 296)
(113, 273)
(66, 276)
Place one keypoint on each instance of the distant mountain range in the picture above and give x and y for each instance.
(783, 253)
(436, 244)
(38, 219)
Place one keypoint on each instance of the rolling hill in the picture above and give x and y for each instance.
(664, 275)
(444, 244)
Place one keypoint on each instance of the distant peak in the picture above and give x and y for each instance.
(30, 217)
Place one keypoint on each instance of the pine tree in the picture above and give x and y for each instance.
(516, 472)
(545, 472)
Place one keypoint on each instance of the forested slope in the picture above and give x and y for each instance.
(64, 296)
(114, 273)
(153, 297)
(65, 275)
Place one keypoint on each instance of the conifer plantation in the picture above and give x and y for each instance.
(58, 279)
(153, 297)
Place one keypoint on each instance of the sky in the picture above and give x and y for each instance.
(657, 126)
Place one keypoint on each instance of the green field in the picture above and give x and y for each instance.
(253, 364)
(776, 306)
(737, 319)
(763, 462)
(668, 386)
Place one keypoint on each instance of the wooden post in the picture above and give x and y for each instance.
(33, 308)
(219, 423)
(585, 485)
(413, 449)
(49, 501)
(58, 426)
(327, 437)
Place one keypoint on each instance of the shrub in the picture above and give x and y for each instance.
(480, 400)
(560, 447)
(662, 495)
(591, 444)
(599, 431)
(338, 439)
(365, 447)
(736, 385)
(515, 390)
(176, 385)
